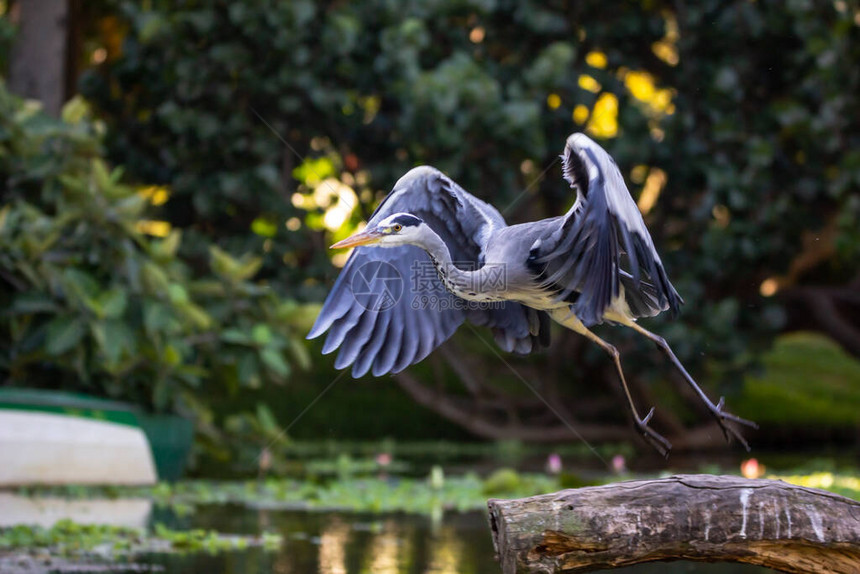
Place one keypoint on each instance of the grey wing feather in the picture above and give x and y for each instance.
(602, 232)
(384, 338)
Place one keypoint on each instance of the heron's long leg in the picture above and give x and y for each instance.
(651, 436)
(716, 410)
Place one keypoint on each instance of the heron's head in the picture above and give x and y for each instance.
(394, 230)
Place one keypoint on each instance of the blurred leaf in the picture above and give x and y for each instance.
(196, 315)
(236, 336)
(274, 361)
(171, 356)
(231, 268)
(261, 334)
(177, 293)
(167, 247)
(264, 227)
(114, 338)
(112, 303)
(33, 302)
(64, 332)
(132, 206)
(300, 354)
(156, 317)
(80, 282)
(248, 370)
(249, 267)
(267, 419)
(155, 278)
(75, 110)
(312, 171)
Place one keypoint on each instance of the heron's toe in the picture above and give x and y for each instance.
(652, 437)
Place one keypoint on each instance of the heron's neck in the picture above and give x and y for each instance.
(476, 284)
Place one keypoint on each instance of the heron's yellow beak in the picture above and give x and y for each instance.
(362, 238)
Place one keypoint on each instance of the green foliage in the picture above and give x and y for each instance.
(808, 380)
(756, 149)
(92, 303)
(352, 493)
(67, 538)
(368, 493)
(844, 483)
(443, 450)
(502, 480)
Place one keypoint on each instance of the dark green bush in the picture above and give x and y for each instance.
(751, 114)
(92, 303)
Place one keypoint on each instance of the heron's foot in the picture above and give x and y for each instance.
(723, 418)
(651, 436)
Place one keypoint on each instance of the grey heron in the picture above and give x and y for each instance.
(596, 263)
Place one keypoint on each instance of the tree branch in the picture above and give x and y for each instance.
(821, 302)
(445, 405)
(687, 517)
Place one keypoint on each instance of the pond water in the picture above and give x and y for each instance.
(340, 542)
(350, 543)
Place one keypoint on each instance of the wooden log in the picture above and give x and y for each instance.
(686, 517)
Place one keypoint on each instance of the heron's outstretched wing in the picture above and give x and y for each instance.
(601, 235)
(388, 308)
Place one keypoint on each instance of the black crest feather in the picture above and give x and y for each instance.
(407, 220)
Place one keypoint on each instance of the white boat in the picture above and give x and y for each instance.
(56, 438)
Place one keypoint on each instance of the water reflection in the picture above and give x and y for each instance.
(47, 511)
(446, 553)
(390, 545)
(387, 550)
(317, 542)
(348, 543)
(332, 542)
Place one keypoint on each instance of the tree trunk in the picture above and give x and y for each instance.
(38, 62)
(686, 517)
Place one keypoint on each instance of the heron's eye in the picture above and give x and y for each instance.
(397, 227)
